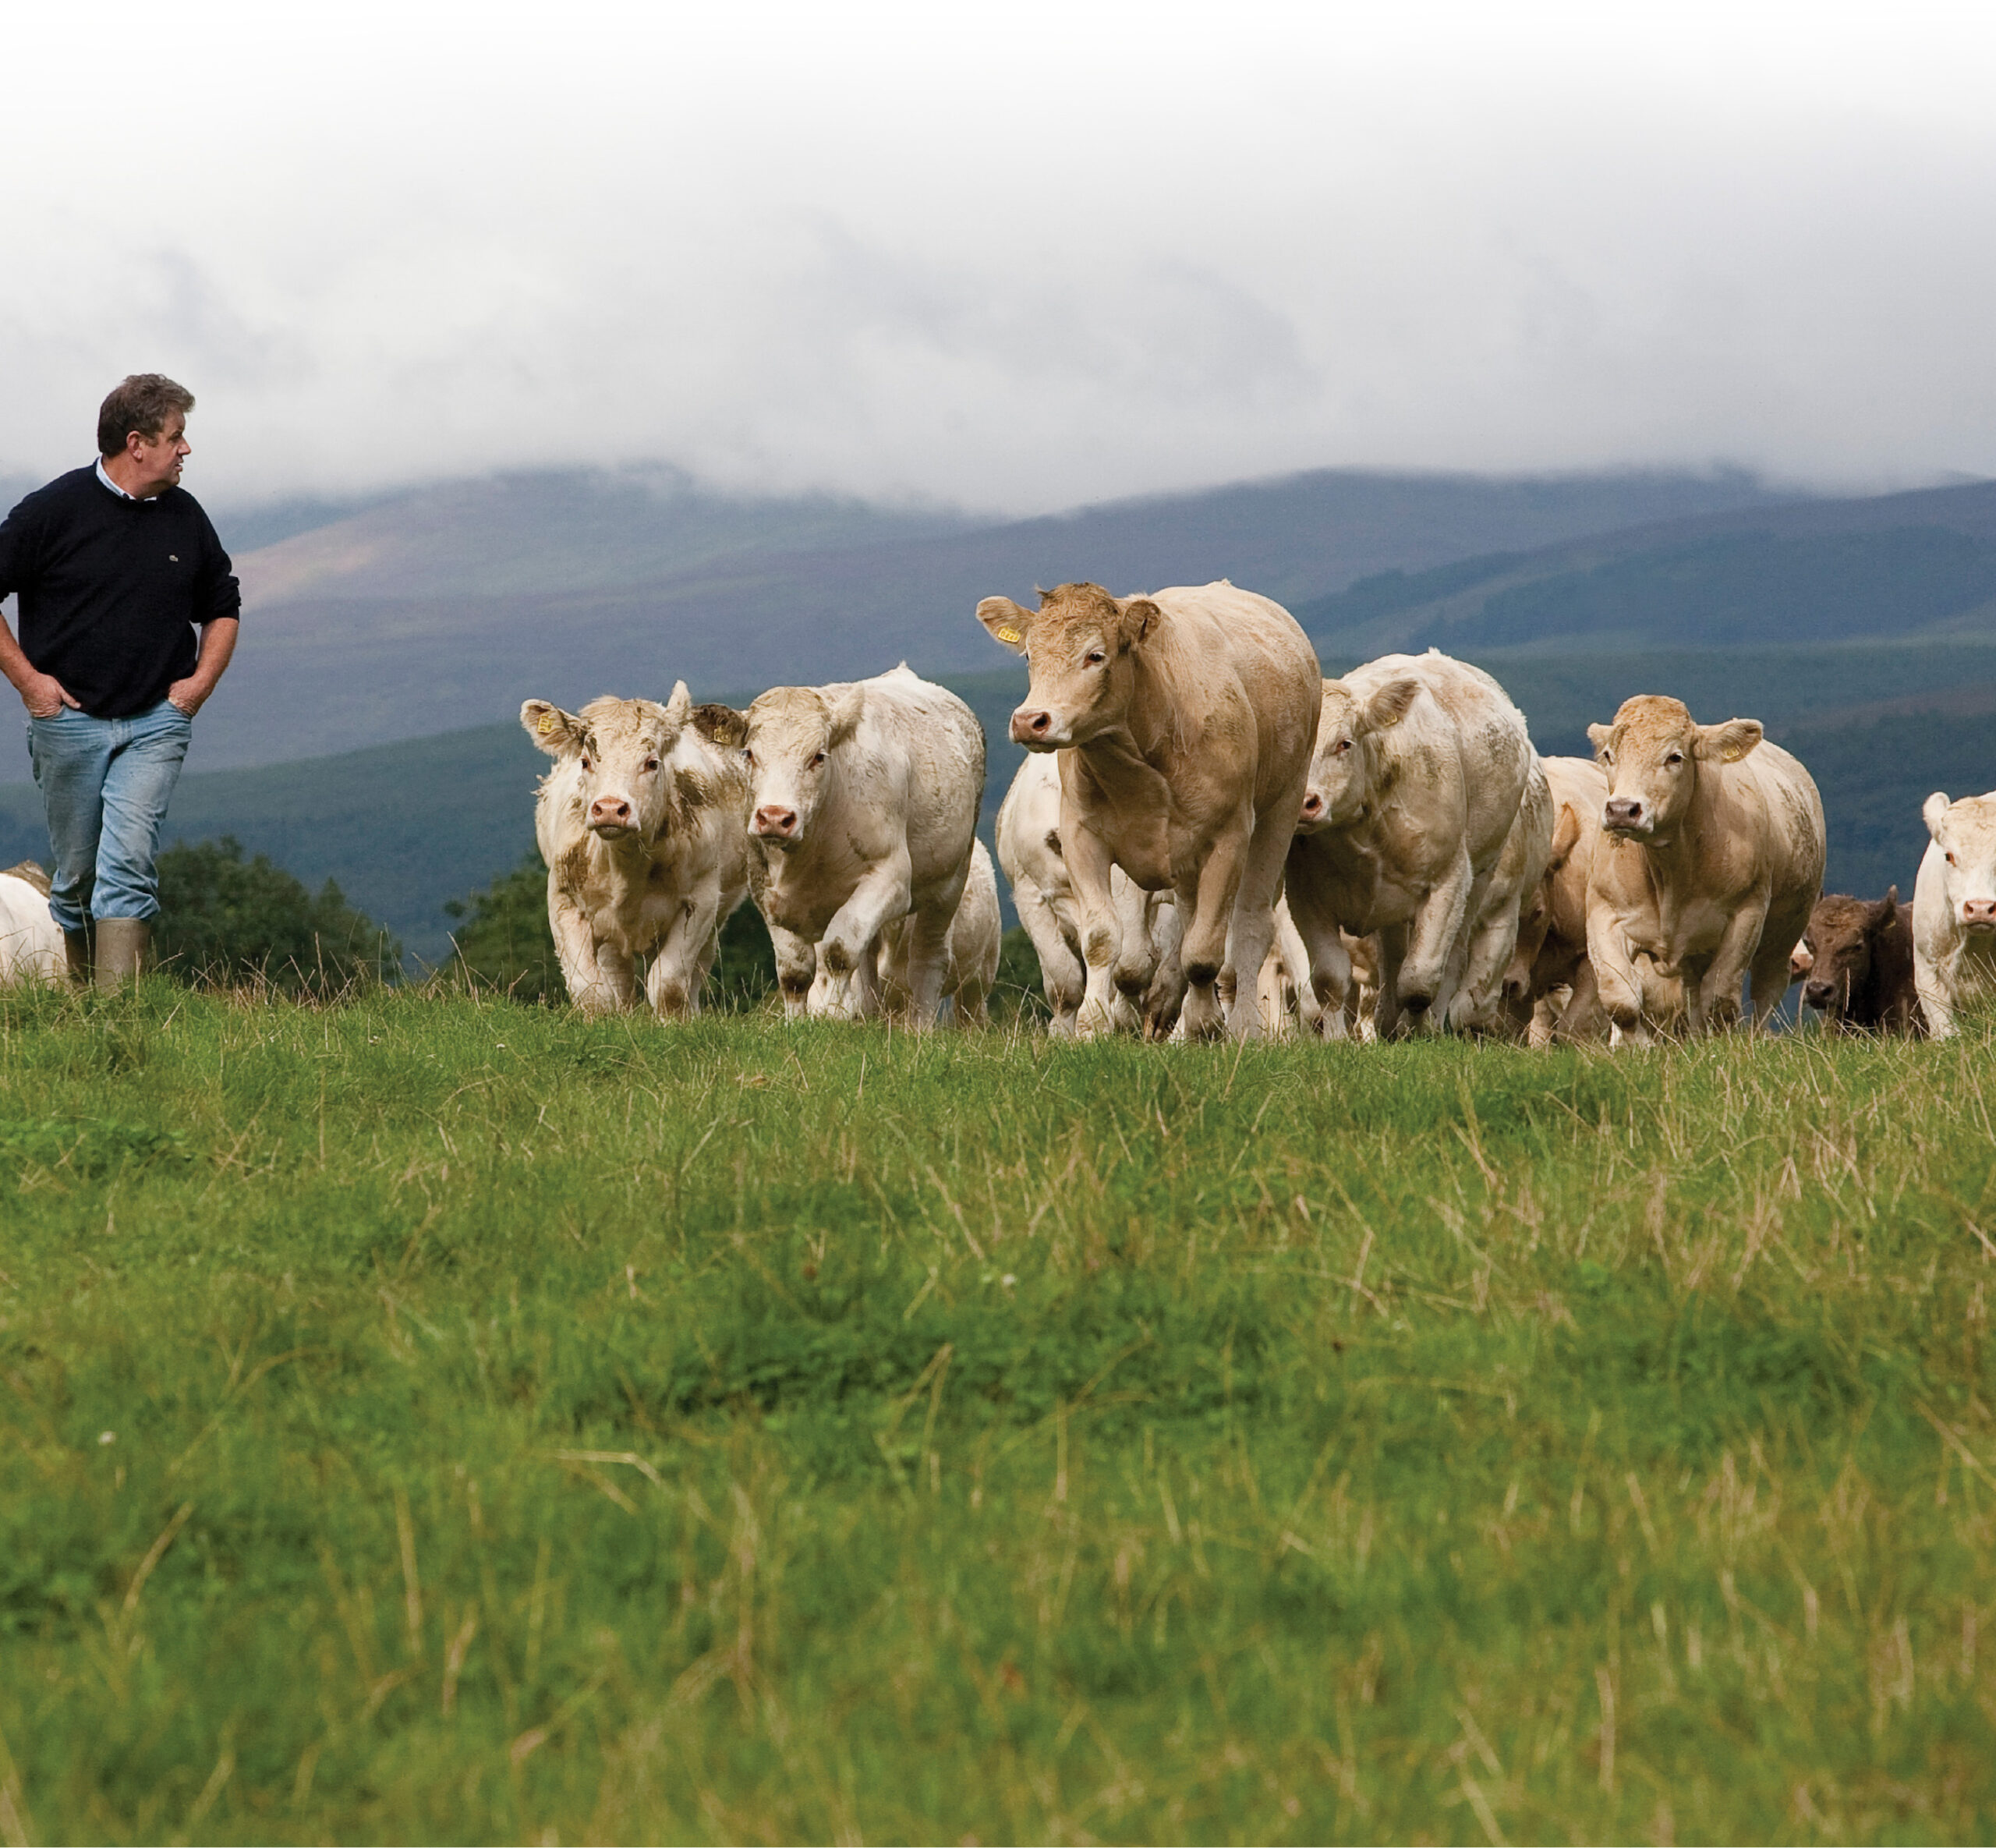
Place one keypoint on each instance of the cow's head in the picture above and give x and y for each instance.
(790, 738)
(1841, 941)
(1080, 644)
(1965, 833)
(626, 780)
(1344, 773)
(1651, 754)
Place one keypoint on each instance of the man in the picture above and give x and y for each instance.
(116, 566)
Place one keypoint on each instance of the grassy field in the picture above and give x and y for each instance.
(430, 1420)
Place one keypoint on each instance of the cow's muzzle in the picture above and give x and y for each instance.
(1626, 815)
(1033, 727)
(610, 815)
(1979, 914)
(773, 822)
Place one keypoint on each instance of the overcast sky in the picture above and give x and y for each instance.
(1013, 256)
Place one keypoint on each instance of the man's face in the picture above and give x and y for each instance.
(156, 460)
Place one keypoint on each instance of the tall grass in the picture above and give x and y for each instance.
(431, 1419)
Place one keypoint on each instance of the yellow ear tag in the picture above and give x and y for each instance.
(1008, 633)
(1732, 754)
(546, 723)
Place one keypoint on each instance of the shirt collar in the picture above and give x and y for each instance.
(113, 486)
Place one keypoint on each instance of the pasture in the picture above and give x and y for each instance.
(431, 1419)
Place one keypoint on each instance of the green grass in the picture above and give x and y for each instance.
(425, 1419)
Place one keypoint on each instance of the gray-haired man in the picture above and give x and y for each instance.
(116, 566)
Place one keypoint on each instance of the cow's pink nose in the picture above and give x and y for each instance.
(1313, 806)
(610, 812)
(1979, 914)
(1029, 726)
(775, 821)
(1621, 811)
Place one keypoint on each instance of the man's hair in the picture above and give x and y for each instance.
(142, 402)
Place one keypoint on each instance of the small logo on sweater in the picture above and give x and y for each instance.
(173, 557)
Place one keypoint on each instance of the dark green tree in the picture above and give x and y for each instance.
(503, 943)
(224, 919)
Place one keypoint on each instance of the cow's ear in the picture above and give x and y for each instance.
(1599, 735)
(846, 711)
(1141, 617)
(721, 725)
(1006, 621)
(1388, 706)
(1934, 811)
(680, 704)
(1886, 913)
(1729, 742)
(558, 733)
(1565, 837)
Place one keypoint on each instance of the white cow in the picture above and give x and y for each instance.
(1515, 883)
(863, 799)
(1029, 836)
(1421, 765)
(1954, 908)
(30, 944)
(640, 824)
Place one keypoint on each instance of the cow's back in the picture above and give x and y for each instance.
(1218, 640)
(30, 943)
(918, 748)
(1794, 846)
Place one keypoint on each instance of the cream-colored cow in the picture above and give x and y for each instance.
(1422, 765)
(970, 966)
(640, 822)
(1552, 952)
(30, 943)
(863, 800)
(1184, 721)
(1710, 861)
(1028, 836)
(1954, 908)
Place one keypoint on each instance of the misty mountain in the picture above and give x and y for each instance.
(444, 607)
(1889, 567)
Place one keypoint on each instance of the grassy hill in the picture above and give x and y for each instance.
(431, 1420)
(1889, 567)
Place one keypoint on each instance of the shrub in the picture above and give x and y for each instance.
(224, 919)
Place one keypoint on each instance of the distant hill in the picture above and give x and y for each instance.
(1889, 567)
(443, 608)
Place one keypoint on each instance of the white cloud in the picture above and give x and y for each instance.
(1011, 257)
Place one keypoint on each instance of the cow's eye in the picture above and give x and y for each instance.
(1607, 756)
(818, 759)
(1343, 745)
(587, 766)
(748, 755)
(1095, 658)
(651, 764)
(1675, 758)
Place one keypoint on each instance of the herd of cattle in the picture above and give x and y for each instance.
(1209, 837)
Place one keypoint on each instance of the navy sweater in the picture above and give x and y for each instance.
(110, 590)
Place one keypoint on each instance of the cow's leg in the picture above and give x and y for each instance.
(1715, 997)
(1296, 965)
(927, 946)
(1252, 928)
(1088, 868)
(1387, 1015)
(1166, 994)
(677, 967)
(882, 894)
(1618, 982)
(574, 948)
(1423, 976)
(797, 969)
(1061, 976)
(1208, 906)
(1322, 964)
(1935, 980)
(1491, 944)
(1136, 958)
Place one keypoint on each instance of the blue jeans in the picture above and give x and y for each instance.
(105, 784)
